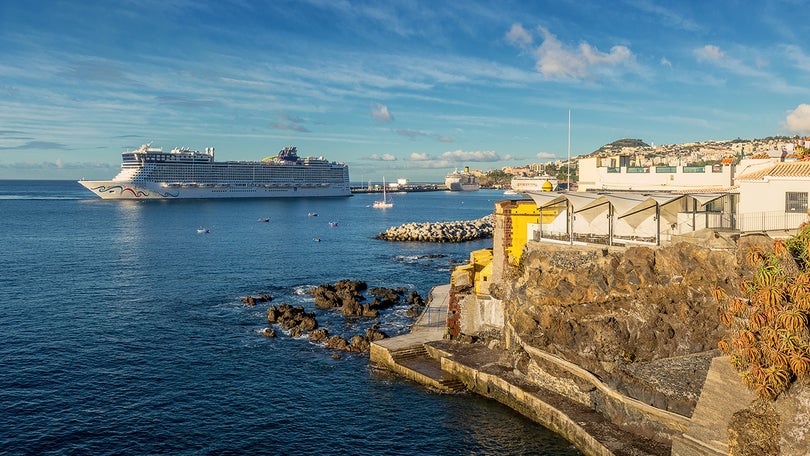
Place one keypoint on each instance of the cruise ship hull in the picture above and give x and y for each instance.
(459, 187)
(142, 191)
(151, 173)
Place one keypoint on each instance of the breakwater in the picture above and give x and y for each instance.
(455, 231)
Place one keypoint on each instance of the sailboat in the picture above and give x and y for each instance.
(386, 200)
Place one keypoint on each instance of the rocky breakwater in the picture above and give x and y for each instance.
(458, 231)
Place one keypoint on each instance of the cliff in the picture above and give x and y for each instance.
(620, 329)
(608, 309)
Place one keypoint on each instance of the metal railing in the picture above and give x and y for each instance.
(431, 318)
(771, 221)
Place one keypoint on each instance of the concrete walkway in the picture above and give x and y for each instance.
(429, 326)
(407, 354)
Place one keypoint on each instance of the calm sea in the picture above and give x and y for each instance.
(122, 330)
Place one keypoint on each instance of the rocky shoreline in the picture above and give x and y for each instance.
(347, 295)
(456, 231)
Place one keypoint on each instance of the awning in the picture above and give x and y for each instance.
(543, 199)
(579, 201)
(706, 198)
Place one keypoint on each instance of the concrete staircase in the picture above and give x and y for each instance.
(404, 354)
(415, 363)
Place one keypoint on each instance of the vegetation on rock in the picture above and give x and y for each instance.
(769, 339)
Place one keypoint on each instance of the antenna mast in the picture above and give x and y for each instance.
(568, 165)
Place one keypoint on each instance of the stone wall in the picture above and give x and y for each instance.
(480, 313)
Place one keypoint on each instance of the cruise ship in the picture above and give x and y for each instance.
(461, 181)
(151, 173)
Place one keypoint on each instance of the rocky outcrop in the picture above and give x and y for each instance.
(251, 301)
(347, 295)
(634, 316)
(459, 231)
(299, 323)
(290, 317)
(359, 344)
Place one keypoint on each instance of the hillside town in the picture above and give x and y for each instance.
(637, 153)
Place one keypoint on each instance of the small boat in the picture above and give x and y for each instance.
(333, 224)
(264, 220)
(312, 214)
(316, 239)
(386, 201)
(203, 230)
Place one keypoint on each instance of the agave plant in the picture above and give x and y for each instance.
(769, 321)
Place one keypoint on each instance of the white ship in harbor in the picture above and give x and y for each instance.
(151, 173)
(461, 181)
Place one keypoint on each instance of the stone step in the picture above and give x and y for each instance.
(409, 353)
(453, 384)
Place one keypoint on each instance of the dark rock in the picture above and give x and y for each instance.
(337, 343)
(374, 334)
(268, 332)
(369, 312)
(359, 344)
(308, 323)
(319, 335)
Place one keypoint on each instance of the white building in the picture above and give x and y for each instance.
(619, 174)
(774, 196)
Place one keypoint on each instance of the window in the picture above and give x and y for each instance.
(796, 202)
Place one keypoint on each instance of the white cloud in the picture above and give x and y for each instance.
(665, 62)
(750, 67)
(545, 155)
(379, 112)
(518, 35)
(383, 157)
(668, 17)
(797, 57)
(473, 156)
(417, 156)
(710, 53)
(556, 60)
(410, 133)
(798, 120)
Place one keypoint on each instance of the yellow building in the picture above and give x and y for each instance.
(511, 231)
(477, 273)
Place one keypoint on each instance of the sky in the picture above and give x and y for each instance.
(401, 89)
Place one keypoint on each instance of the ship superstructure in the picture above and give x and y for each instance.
(462, 181)
(149, 173)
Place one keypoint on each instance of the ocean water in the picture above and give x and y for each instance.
(123, 331)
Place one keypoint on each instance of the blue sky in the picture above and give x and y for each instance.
(408, 89)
